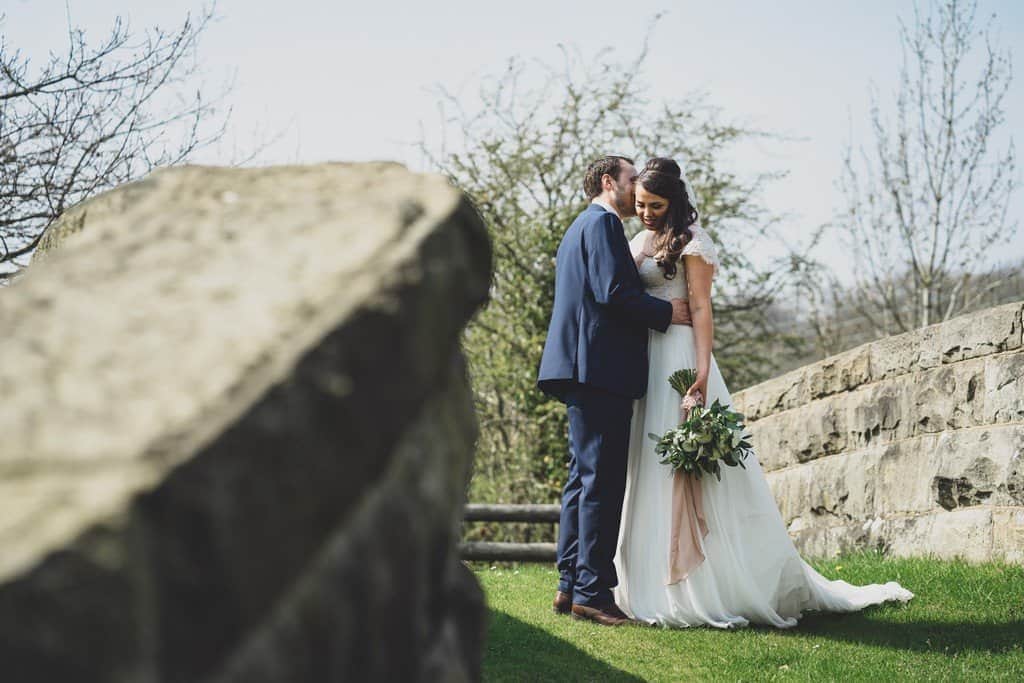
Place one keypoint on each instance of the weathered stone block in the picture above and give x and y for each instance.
(994, 330)
(959, 469)
(824, 431)
(876, 414)
(944, 398)
(977, 467)
(903, 353)
(219, 380)
(1008, 534)
(781, 393)
(772, 440)
(1004, 388)
(963, 534)
(842, 372)
(827, 492)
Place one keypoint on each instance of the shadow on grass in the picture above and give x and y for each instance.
(919, 636)
(517, 651)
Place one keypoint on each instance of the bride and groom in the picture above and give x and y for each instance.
(637, 542)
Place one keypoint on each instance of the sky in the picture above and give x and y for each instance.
(346, 80)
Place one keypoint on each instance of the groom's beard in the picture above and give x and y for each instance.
(626, 204)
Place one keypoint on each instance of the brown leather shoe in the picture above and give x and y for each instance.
(606, 615)
(562, 603)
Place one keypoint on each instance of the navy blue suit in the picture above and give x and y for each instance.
(595, 361)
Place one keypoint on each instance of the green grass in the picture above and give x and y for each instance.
(965, 623)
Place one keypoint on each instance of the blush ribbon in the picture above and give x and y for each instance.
(689, 525)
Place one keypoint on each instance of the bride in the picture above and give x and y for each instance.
(703, 552)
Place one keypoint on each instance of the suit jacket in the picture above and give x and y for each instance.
(598, 330)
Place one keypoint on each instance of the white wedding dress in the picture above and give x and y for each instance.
(751, 571)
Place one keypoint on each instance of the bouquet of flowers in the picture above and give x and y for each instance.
(708, 437)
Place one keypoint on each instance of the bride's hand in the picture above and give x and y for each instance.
(691, 399)
(698, 390)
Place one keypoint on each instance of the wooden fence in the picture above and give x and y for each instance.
(510, 552)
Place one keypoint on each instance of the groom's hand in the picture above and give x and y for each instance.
(681, 312)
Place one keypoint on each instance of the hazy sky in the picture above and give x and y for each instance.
(349, 80)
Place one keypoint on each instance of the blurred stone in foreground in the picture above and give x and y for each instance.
(912, 445)
(237, 432)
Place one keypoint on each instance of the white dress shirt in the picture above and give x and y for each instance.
(606, 207)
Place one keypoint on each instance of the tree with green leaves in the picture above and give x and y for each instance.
(521, 157)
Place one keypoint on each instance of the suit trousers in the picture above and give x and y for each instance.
(592, 498)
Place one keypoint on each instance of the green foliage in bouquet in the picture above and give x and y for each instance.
(709, 437)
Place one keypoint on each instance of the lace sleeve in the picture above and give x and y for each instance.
(702, 245)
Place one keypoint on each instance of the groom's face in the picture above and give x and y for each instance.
(625, 186)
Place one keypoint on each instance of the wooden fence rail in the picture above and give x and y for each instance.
(509, 552)
(477, 512)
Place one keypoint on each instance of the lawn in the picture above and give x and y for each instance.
(965, 623)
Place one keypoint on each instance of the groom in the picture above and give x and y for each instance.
(595, 361)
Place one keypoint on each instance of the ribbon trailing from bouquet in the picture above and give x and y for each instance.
(689, 525)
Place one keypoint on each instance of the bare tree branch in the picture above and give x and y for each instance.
(94, 117)
(927, 207)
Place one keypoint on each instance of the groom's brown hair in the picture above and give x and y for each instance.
(596, 170)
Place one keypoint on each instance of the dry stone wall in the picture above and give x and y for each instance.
(912, 444)
(238, 431)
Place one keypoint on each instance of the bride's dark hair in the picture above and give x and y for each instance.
(662, 177)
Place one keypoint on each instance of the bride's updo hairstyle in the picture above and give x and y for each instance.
(662, 177)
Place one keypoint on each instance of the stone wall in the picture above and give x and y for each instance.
(237, 432)
(912, 444)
